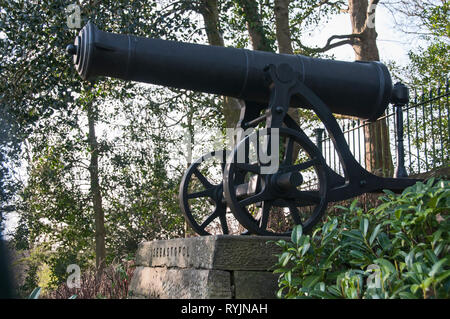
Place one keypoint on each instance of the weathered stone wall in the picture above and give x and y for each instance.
(206, 267)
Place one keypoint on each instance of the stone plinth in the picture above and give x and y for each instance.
(206, 267)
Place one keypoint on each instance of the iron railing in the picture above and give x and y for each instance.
(426, 130)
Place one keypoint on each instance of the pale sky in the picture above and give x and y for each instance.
(392, 44)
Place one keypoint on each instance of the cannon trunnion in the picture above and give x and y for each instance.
(262, 181)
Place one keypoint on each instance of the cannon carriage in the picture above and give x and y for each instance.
(264, 175)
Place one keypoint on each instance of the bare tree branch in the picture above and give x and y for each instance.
(349, 39)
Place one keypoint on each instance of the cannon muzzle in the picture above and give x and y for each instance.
(361, 89)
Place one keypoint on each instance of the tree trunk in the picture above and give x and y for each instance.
(256, 32)
(283, 34)
(365, 47)
(210, 12)
(283, 31)
(376, 135)
(100, 233)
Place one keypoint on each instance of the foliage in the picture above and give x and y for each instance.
(396, 250)
(9, 156)
(113, 283)
(428, 21)
(430, 65)
(426, 75)
(28, 267)
(305, 17)
(44, 141)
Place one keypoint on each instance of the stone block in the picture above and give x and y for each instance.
(206, 267)
(254, 284)
(210, 252)
(164, 283)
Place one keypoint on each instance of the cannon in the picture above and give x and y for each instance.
(266, 172)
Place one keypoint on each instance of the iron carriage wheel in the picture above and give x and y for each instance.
(281, 190)
(201, 196)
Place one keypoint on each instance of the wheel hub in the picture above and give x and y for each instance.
(282, 182)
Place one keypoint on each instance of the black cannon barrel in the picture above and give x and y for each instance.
(361, 89)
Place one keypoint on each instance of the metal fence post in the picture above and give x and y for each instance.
(319, 134)
(401, 94)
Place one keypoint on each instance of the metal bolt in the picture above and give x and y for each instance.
(71, 49)
(279, 109)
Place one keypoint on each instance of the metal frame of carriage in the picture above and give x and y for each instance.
(281, 188)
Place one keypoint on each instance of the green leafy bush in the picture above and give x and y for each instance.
(396, 250)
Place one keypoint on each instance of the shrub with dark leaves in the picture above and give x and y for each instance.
(396, 250)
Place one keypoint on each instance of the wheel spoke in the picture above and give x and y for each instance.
(295, 213)
(265, 212)
(204, 193)
(254, 199)
(202, 178)
(289, 151)
(223, 223)
(301, 166)
(210, 219)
